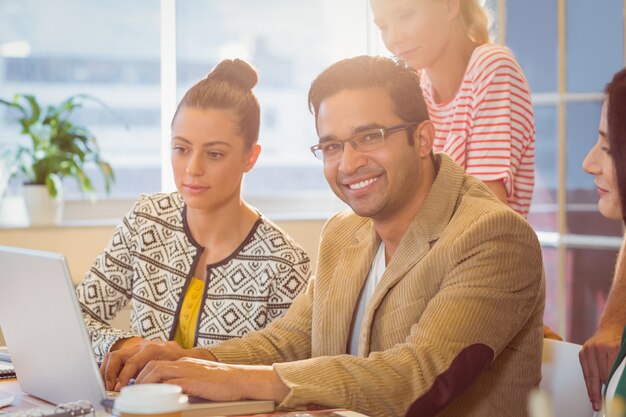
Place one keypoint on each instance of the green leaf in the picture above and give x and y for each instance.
(35, 108)
(15, 105)
(109, 176)
(54, 184)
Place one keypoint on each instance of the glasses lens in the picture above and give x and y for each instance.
(331, 150)
(370, 140)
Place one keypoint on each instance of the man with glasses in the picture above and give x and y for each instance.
(429, 294)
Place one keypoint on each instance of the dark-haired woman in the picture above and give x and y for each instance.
(606, 161)
(198, 265)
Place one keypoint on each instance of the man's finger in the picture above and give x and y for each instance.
(156, 371)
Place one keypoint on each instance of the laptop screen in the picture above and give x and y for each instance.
(44, 330)
(46, 335)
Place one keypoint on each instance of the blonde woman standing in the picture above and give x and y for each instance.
(477, 94)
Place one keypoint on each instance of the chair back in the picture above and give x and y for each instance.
(563, 381)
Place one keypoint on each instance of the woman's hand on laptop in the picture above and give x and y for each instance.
(130, 357)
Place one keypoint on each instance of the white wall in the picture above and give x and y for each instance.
(82, 244)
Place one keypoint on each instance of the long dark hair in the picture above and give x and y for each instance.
(228, 87)
(616, 121)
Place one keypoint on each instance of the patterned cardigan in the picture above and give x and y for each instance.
(150, 260)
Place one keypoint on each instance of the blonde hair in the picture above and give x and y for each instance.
(475, 19)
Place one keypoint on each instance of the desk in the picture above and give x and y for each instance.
(22, 400)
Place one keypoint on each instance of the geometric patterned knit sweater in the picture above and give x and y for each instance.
(149, 263)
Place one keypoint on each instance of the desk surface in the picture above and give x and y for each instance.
(25, 402)
(22, 400)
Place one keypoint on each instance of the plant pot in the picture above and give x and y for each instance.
(42, 209)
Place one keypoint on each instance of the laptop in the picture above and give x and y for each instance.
(44, 330)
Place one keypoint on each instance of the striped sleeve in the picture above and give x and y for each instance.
(501, 142)
(488, 127)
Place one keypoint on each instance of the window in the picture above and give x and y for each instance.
(589, 65)
(113, 51)
(289, 43)
(544, 207)
(536, 48)
(579, 245)
(110, 50)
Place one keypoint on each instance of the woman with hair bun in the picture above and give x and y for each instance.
(198, 265)
(476, 92)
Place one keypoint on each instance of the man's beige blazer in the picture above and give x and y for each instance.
(454, 328)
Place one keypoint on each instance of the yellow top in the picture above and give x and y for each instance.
(188, 321)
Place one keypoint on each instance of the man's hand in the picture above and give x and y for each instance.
(596, 358)
(217, 381)
(129, 359)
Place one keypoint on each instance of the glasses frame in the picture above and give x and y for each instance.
(384, 131)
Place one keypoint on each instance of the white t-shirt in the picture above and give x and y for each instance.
(373, 278)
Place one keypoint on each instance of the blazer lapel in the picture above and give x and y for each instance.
(426, 227)
(345, 287)
(394, 272)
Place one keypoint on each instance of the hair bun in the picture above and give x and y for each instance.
(236, 72)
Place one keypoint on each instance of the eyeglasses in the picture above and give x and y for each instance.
(365, 141)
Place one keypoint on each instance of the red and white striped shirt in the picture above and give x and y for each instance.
(488, 127)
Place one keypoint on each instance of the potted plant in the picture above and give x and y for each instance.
(55, 148)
